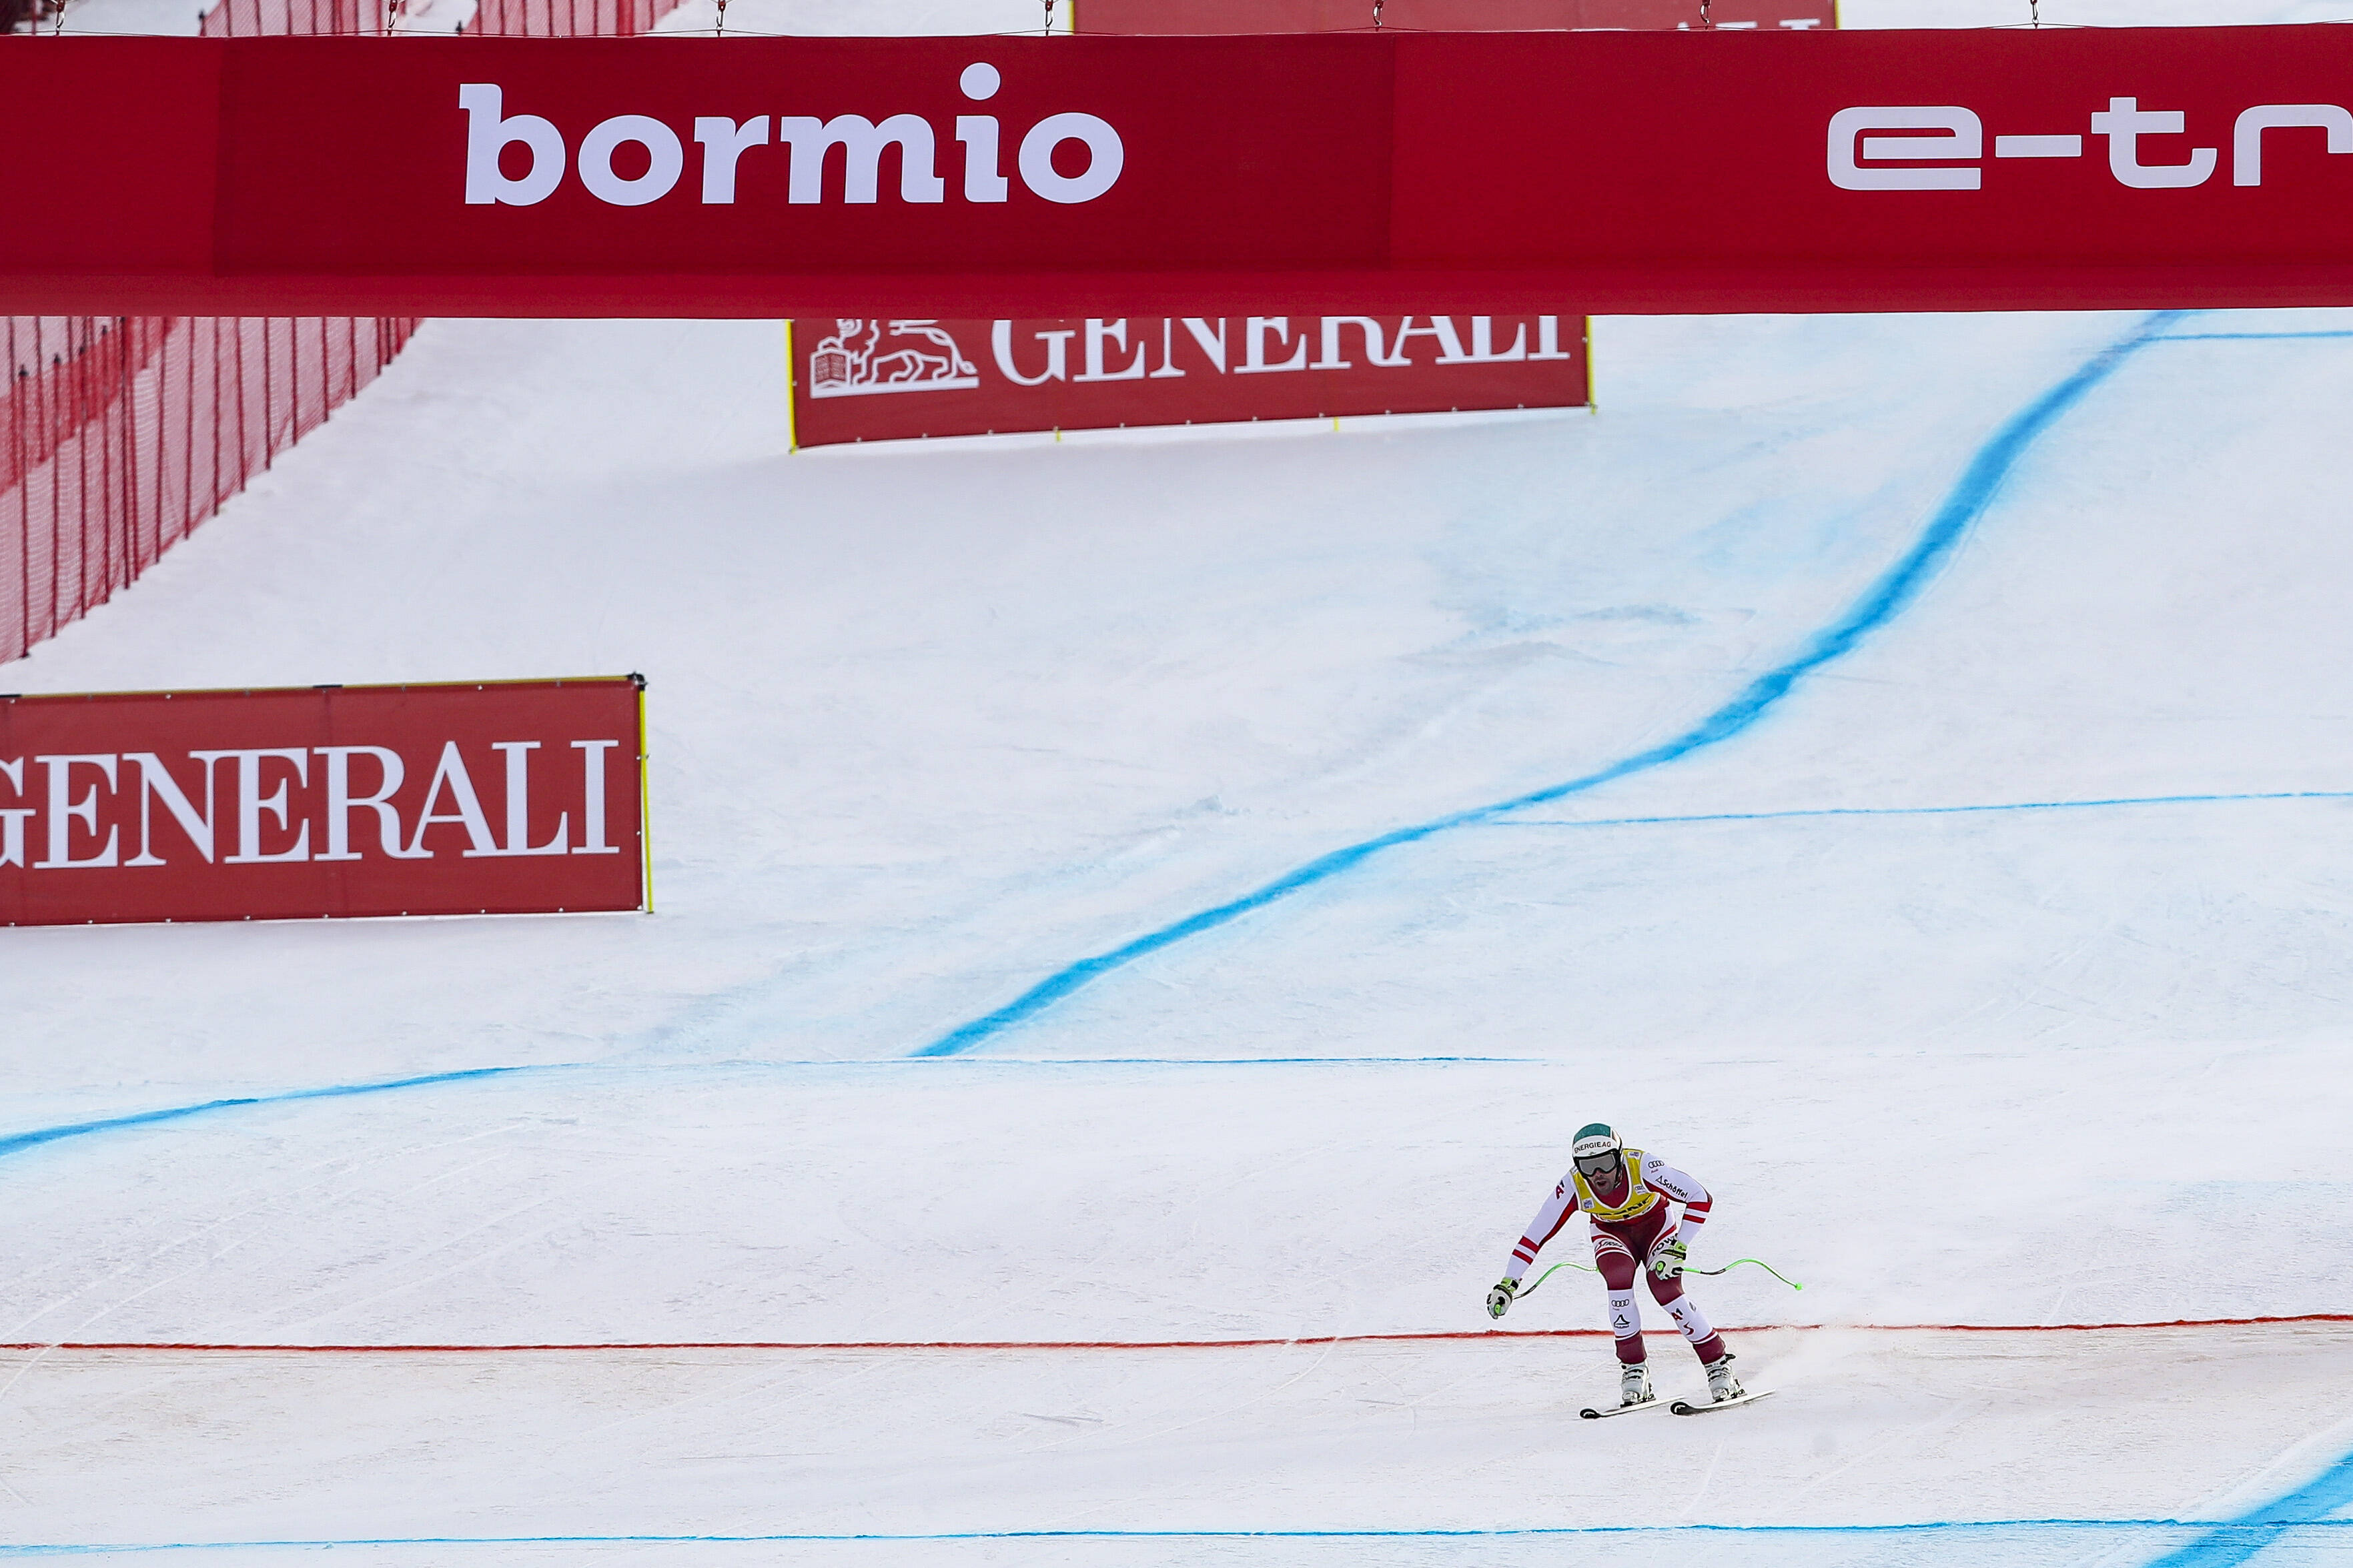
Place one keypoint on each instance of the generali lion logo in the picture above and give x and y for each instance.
(862, 357)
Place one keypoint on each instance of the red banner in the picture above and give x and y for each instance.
(1134, 17)
(500, 798)
(875, 379)
(1010, 177)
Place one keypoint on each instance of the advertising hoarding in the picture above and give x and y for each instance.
(1001, 177)
(880, 378)
(501, 797)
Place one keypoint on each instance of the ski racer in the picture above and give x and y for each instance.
(1624, 1193)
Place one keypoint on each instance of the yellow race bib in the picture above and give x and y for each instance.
(1639, 1199)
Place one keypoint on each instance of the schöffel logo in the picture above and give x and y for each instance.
(1948, 135)
(805, 139)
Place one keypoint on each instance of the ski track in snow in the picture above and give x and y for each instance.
(2299, 1520)
(33, 1138)
(2241, 1538)
(1972, 493)
(1980, 480)
(2273, 1523)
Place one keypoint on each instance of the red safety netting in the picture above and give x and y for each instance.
(298, 18)
(491, 19)
(568, 18)
(117, 435)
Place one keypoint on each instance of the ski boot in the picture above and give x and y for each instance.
(1634, 1384)
(1721, 1384)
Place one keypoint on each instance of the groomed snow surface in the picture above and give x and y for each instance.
(1900, 767)
(1963, 895)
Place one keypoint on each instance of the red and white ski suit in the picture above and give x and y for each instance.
(1629, 1222)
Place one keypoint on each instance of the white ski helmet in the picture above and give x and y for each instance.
(1594, 1139)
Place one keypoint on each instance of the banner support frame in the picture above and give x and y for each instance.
(792, 391)
(645, 802)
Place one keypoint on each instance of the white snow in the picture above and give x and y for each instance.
(933, 722)
(1400, 1437)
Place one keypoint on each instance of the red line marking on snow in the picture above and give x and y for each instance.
(1163, 1344)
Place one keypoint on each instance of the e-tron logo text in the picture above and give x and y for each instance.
(805, 139)
(1943, 145)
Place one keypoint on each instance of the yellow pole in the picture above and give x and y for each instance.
(792, 381)
(1591, 405)
(645, 799)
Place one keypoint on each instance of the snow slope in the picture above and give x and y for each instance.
(1187, 887)
(931, 723)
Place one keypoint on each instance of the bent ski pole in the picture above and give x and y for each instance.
(1727, 1268)
(1549, 1274)
(1760, 1263)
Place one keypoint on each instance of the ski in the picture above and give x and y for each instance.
(1653, 1402)
(1685, 1407)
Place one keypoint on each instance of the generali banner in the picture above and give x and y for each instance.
(877, 378)
(500, 798)
(1011, 178)
(1165, 16)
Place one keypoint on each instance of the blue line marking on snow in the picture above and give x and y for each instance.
(1220, 1061)
(2227, 1545)
(1927, 810)
(1931, 1529)
(17, 1143)
(1968, 498)
(11, 1143)
(2240, 337)
(1979, 483)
